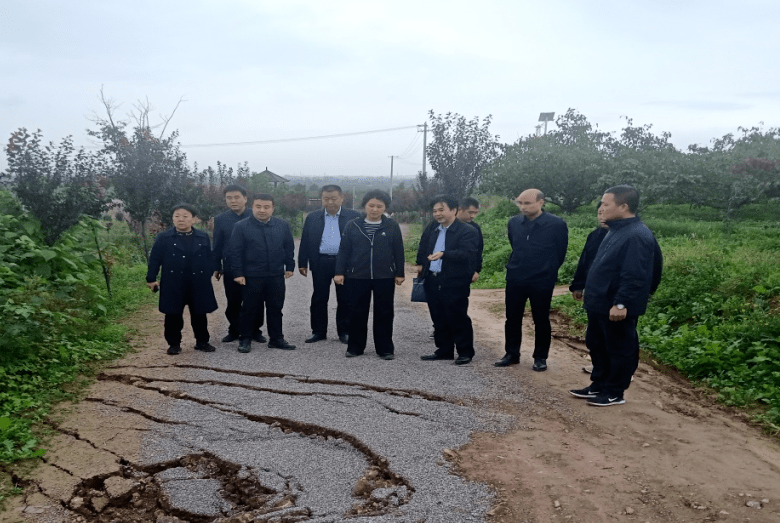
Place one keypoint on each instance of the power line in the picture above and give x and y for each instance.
(283, 140)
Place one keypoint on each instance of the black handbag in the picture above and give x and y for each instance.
(418, 291)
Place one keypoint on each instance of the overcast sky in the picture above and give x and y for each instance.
(265, 70)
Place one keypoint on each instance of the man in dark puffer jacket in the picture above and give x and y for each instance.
(617, 288)
(262, 257)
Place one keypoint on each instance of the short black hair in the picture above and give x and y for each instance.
(187, 207)
(468, 201)
(331, 188)
(233, 187)
(377, 194)
(448, 200)
(263, 196)
(625, 194)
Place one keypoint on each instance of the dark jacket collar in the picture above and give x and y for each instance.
(624, 222)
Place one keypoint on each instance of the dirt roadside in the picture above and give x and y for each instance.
(670, 454)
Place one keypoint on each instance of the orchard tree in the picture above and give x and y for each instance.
(565, 164)
(734, 172)
(148, 172)
(58, 185)
(460, 150)
(647, 161)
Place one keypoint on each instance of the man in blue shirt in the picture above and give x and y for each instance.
(320, 241)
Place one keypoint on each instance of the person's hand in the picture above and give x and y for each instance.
(435, 256)
(152, 285)
(418, 268)
(475, 277)
(338, 279)
(577, 295)
(616, 314)
(399, 280)
(240, 280)
(303, 270)
(217, 275)
(288, 274)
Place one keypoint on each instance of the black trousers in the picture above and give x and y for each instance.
(449, 309)
(322, 279)
(360, 292)
(234, 293)
(174, 323)
(259, 291)
(614, 349)
(515, 297)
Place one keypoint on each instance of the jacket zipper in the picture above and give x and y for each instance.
(371, 257)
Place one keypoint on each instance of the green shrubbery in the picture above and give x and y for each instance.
(57, 316)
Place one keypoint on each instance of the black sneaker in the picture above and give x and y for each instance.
(539, 365)
(606, 400)
(587, 393)
(280, 344)
(259, 338)
(245, 346)
(174, 349)
(387, 356)
(205, 347)
(229, 338)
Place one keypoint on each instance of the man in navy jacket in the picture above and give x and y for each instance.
(262, 256)
(617, 288)
(446, 259)
(320, 240)
(539, 241)
(236, 199)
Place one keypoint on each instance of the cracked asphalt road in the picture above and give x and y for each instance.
(273, 435)
(320, 420)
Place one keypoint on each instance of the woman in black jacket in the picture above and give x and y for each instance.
(184, 254)
(371, 260)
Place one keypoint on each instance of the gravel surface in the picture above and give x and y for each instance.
(311, 424)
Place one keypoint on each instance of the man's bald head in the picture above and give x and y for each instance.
(530, 203)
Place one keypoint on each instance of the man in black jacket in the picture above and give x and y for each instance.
(446, 259)
(617, 288)
(319, 248)
(539, 241)
(468, 209)
(262, 256)
(236, 199)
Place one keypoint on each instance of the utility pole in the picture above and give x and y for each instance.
(391, 176)
(425, 143)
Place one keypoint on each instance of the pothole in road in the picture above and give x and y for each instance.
(202, 488)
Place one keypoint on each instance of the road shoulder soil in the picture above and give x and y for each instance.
(669, 454)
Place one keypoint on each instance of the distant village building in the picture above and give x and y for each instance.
(273, 177)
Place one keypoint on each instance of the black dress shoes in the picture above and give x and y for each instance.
(229, 338)
(344, 338)
(507, 360)
(462, 360)
(205, 347)
(280, 344)
(259, 338)
(432, 357)
(539, 365)
(174, 349)
(315, 338)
